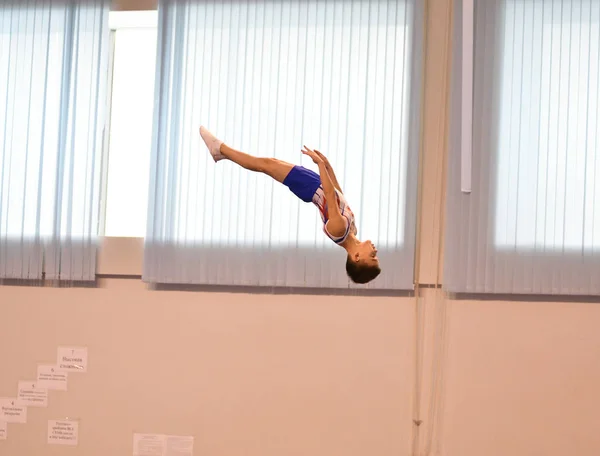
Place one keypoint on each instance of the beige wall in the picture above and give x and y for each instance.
(245, 374)
(522, 379)
(272, 375)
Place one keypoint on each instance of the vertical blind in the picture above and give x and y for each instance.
(52, 78)
(532, 221)
(268, 77)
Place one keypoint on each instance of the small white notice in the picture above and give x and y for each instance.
(148, 445)
(11, 411)
(63, 432)
(31, 395)
(179, 446)
(3, 430)
(72, 359)
(51, 378)
(162, 445)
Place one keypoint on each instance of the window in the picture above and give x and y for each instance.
(270, 76)
(532, 221)
(130, 128)
(38, 120)
(52, 67)
(277, 104)
(548, 142)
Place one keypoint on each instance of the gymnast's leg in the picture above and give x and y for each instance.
(273, 167)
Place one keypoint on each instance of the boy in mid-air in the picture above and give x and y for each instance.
(324, 191)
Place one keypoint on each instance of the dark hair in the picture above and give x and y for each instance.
(360, 273)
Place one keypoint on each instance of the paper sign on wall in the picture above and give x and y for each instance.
(162, 445)
(63, 432)
(51, 378)
(31, 395)
(148, 445)
(71, 359)
(3, 430)
(179, 446)
(11, 411)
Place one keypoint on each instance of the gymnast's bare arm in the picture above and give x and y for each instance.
(330, 171)
(336, 225)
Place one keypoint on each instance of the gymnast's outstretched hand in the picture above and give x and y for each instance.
(312, 154)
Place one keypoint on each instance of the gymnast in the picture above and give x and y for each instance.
(323, 190)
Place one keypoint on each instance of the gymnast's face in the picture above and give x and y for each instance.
(367, 254)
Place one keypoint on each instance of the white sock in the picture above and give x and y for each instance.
(213, 144)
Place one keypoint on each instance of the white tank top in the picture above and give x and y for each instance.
(321, 202)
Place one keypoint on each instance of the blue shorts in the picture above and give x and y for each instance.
(303, 183)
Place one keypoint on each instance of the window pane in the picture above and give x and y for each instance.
(49, 94)
(130, 132)
(271, 76)
(548, 159)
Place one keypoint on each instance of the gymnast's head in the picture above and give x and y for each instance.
(362, 264)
